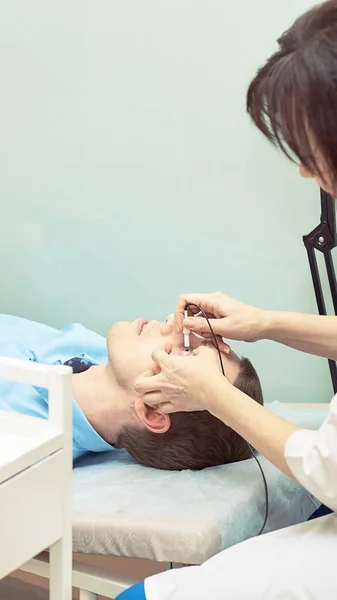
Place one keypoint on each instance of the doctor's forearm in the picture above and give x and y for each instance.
(313, 334)
(266, 432)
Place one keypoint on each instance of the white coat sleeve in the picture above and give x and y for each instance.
(312, 458)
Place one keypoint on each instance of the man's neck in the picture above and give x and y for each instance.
(106, 406)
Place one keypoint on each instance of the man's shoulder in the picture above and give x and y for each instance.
(12, 323)
(18, 334)
(24, 338)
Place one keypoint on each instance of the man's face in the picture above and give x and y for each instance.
(130, 346)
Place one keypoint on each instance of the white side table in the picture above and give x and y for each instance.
(35, 477)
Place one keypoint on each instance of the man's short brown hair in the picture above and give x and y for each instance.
(195, 440)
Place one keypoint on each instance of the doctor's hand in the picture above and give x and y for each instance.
(180, 383)
(229, 318)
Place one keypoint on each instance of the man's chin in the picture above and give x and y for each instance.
(119, 327)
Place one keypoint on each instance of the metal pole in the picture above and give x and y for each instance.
(323, 239)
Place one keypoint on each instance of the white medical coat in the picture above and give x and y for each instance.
(296, 563)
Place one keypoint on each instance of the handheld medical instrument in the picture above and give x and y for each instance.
(215, 341)
(186, 334)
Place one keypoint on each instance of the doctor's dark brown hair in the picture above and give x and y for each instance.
(293, 97)
(195, 440)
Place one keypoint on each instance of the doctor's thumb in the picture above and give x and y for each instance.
(199, 325)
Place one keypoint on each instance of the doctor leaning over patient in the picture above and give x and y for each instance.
(293, 101)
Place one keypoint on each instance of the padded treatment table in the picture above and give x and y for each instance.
(123, 509)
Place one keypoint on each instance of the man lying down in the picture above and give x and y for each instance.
(107, 412)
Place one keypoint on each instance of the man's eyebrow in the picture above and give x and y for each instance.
(210, 344)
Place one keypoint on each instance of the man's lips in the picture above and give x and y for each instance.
(140, 324)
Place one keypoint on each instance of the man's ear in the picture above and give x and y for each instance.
(152, 418)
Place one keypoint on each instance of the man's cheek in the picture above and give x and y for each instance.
(146, 364)
(138, 364)
(145, 352)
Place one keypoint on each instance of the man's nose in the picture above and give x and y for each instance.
(168, 325)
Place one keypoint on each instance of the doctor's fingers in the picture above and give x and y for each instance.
(167, 408)
(157, 401)
(148, 382)
(208, 302)
(161, 355)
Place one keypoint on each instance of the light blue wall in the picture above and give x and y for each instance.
(130, 171)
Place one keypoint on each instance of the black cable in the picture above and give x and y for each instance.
(211, 330)
(249, 446)
(265, 488)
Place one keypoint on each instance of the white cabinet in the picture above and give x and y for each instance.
(35, 477)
